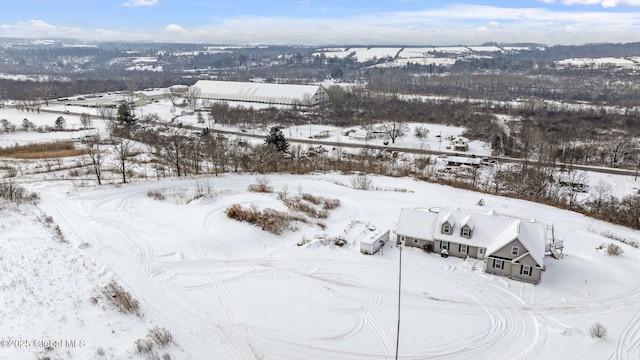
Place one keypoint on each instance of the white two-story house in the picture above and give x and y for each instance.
(510, 247)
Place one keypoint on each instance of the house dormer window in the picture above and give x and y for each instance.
(446, 229)
(515, 250)
(465, 232)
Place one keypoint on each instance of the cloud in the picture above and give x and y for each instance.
(38, 28)
(455, 24)
(139, 3)
(173, 28)
(571, 30)
(603, 3)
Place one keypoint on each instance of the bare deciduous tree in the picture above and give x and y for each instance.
(600, 194)
(85, 120)
(193, 94)
(45, 91)
(394, 130)
(96, 154)
(176, 148)
(123, 149)
(106, 112)
(618, 149)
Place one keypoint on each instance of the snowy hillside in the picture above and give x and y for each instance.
(227, 289)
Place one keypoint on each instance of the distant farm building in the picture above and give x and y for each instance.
(463, 161)
(179, 90)
(277, 94)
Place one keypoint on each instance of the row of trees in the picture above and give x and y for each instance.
(177, 152)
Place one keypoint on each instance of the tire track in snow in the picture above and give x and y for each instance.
(628, 346)
(351, 211)
(234, 314)
(378, 331)
(365, 319)
(228, 333)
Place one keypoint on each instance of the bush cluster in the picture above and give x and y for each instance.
(14, 193)
(121, 299)
(613, 249)
(313, 206)
(156, 195)
(270, 220)
(598, 330)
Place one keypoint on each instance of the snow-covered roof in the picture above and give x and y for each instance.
(417, 223)
(493, 231)
(468, 222)
(463, 160)
(372, 237)
(285, 94)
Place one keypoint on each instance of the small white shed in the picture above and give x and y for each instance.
(372, 242)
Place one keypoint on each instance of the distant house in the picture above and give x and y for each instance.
(460, 143)
(509, 247)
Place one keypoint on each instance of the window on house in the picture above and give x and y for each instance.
(415, 241)
(498, 264)
(481, 251)
(402, 238)
(526, 270)
(515, 250)
(463, 249)
(446, 228)
(466, 232)
(444, 245)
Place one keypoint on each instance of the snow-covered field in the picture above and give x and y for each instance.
(227, 289)
(629, 62)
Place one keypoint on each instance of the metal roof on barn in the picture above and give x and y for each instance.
(281, 94)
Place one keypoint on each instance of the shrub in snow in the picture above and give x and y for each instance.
(598, 330)
(330, 204)
(14, 193)
(156, 195)
(269, 219)
(117, 296)
(144, 346)
(361, 182)
(161, 336)
(157, 336)
(262, 185)
(612, 249)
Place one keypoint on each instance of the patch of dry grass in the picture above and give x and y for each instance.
(270, 220)
(42, 151)
(121, 299)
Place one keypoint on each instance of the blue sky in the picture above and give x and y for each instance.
(354, 22)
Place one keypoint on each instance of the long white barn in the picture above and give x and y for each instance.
(280, 94)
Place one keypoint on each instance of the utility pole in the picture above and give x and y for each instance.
(399, 288)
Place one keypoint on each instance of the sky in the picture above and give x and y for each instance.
(326, 22)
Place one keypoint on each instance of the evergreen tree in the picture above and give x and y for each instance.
(276, 137)
(126, 115)
(60, 123)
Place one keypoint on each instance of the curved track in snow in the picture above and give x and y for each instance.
(217, 280)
